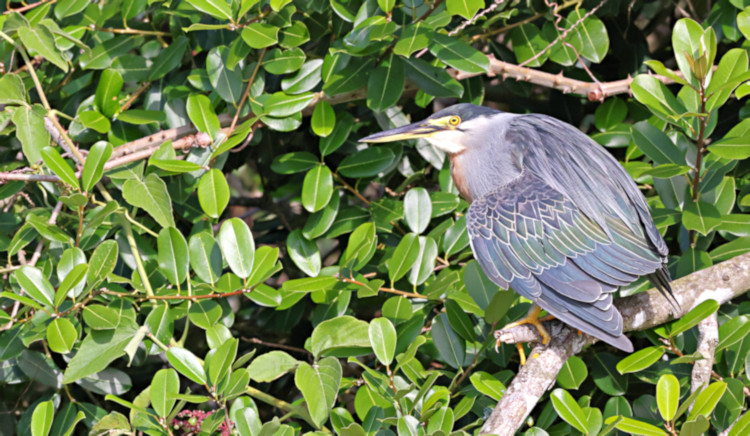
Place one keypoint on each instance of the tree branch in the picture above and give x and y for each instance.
(708, 339)
(721, 282)
(183, 138)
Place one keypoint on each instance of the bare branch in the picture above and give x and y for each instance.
(708, 339)
(721, 282)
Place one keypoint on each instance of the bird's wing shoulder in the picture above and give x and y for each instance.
(572, 163)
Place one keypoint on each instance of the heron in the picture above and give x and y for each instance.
(552, 214)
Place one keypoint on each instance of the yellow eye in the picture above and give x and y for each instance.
(454, 120)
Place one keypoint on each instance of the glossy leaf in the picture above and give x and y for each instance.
(667, 396)
(568, 409)
(152, 196)
(317, 188)
(173, 257)
(640, 360)
(57, 164)
(213, 193)
(383, 339)
(238, 246)
(94, 166)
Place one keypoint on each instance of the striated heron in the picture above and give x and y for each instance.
(553, 215)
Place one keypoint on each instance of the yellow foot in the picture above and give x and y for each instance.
(531, 318)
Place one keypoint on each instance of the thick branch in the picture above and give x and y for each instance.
(721, 282)
(708, 339)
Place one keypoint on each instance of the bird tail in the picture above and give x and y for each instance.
(661, 280)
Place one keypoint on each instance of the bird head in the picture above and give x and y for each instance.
(447, 129)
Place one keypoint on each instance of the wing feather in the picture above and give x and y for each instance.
(533, 238)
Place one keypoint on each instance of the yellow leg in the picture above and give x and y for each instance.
(533, 318)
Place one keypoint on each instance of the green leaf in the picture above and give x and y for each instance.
(97, 351)
(723, 81)
(169, 58)
(635, 427)
(432, 80)
(404, 257)
(361, 246)
(590, 37)
(653, 93)
(61, 335)
(102, 262)
(41, 40)
(417, 209)
(528, 42)
(213, 193)
(458, 54)
(31, 132)
(323, 119)
(202, 114)
(733, 331)
(108, 92)
(238, 246)
(451, 348)
(205, 313)
(425, 263)
(93, 168)
(294, 36)
(383, 339)
(567, 408)
(339, 336)
(12, 90)
(731, 148)
(260, 35)
(164, 386)
(57, 164)
(414, 37)
(464, 8)
(279, 61)
(319, 385)
(280, 104)
(41, 419)
(701, 217)
(366, 163)
(152, 196)
(33, 281)
(686, 43)
(341, 130)
(572, 373)
(606, 376)
(656, 144)
(386, 5)
(100, 317)
(173, 257)
(226, 80)
(742, 425)
(480, 287)
(71, 280)
(47, 230)
(270, 366)
(304, 253)
(141, 117)
(187, 364)
(488, 385)
(667, 396)
(692, 318)
(317, 188)
(306, 79)
(640, 360)
(460, 321)
(385, 84)
(220, 363)
(707, 400)
(174, 165)
(247, 421)
(94, 120)
(218, 9)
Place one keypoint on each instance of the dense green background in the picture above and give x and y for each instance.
(297, 281)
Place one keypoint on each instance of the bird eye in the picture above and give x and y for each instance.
(454, 120)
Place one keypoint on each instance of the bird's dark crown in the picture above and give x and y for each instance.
(466, 111)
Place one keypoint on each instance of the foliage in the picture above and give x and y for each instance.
(274, 271)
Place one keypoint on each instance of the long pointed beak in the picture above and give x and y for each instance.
(409, 131)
